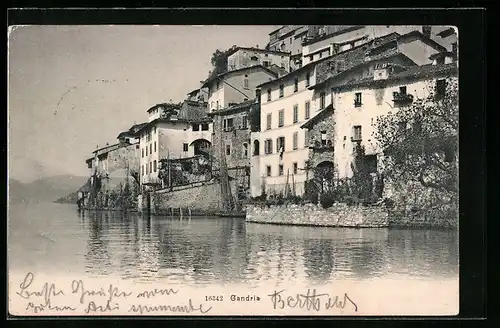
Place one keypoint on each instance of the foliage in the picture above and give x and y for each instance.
(219, 61)
(311, 192)
(327, 199)
(421, 140)
(361, 179)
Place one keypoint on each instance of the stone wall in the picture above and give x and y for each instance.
(339, 215)
(200, 197)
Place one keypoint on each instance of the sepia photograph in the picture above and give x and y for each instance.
(215, 170)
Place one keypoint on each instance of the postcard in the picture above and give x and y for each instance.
(191, 170)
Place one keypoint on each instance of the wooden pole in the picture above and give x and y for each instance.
(287, 182)
(169, 171)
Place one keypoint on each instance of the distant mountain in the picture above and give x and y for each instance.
(45, 189)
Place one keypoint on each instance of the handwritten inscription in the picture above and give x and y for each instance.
(78, 298)
(311, 301)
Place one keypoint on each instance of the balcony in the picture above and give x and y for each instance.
(402, 98)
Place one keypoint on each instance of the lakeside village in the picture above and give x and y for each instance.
(353, 126)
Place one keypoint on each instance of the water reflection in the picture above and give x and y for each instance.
(205, 250)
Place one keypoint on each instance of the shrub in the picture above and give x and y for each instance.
(327, 200)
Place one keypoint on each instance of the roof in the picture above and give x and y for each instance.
(442, 54)
(446, 32)
(327, 36)
(257, 50)
(381, 40)
(358, 65)
(276, 30)
(416, 72)
(106, 149)
(213, 78)
(166, 105)
(195, 91)
(241, 106)
(278, 70)
(176, 121)
(424, 38)
(313, 120)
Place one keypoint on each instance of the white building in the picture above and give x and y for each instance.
(242, 57)
(327, 43)
(168, 135)
(280, 148)
(369, 91)
(237, 86)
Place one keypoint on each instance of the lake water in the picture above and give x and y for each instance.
(55, 238)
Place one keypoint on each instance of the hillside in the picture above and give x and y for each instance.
(45, 189)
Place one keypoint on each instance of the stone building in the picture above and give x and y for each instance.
(231, 139)
(241, 57)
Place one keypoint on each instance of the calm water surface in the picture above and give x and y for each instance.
(54, 238)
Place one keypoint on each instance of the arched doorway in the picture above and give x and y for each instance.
(201, 147)
(324, 174)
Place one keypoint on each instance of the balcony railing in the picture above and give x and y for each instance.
(402, 98)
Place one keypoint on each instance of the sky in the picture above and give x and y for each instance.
(73, 88)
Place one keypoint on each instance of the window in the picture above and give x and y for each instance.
(204, 127)
(266, 63)
(280, 145)
(323, 138)
(296, 85)
(147, 150)
(356, 133)
(256, 148)
(150, 167)
(245, 122)
(196, 127)
(269, 121)
(142, 152)
(440, 60)
(295, 113)
(280, 169)
(281, 118)
(268, 170)
(290, 40)
(142, 169)
(245, 82)
(308, 110)
(308, 79)
(154, 166)
(357, 99)
(402, 90)
(218, 85)
(454, 48)
(185, 147)
(147, 168)
(440, 88)
(306, 138)
(268, 94)
(150, 148)
(268, 146)
(217, 104)
(228, 123)
(154, 130)
(295, 168)
(295, 140)
(322, 100)
(245, 150)
(155, 147)
(320, 55)
(228, 150)
(282, 90)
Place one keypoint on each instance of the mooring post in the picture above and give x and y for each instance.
(180, 211)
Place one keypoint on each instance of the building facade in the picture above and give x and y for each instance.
(288, 38)
(335, 39)
(242, 57)
(231, 139)
(170, 134)
(372, 93)
(234, 87)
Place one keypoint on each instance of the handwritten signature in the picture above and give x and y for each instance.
(311, 301)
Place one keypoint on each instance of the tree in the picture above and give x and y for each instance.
(361, 178)
(219, 61)
(421, 140)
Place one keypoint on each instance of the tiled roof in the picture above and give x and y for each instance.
(166, 105)
(218, 76)
(313, 120)
(234, 108)
(327, 36)
(346, 55)
(415, 72)
(257, 50)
